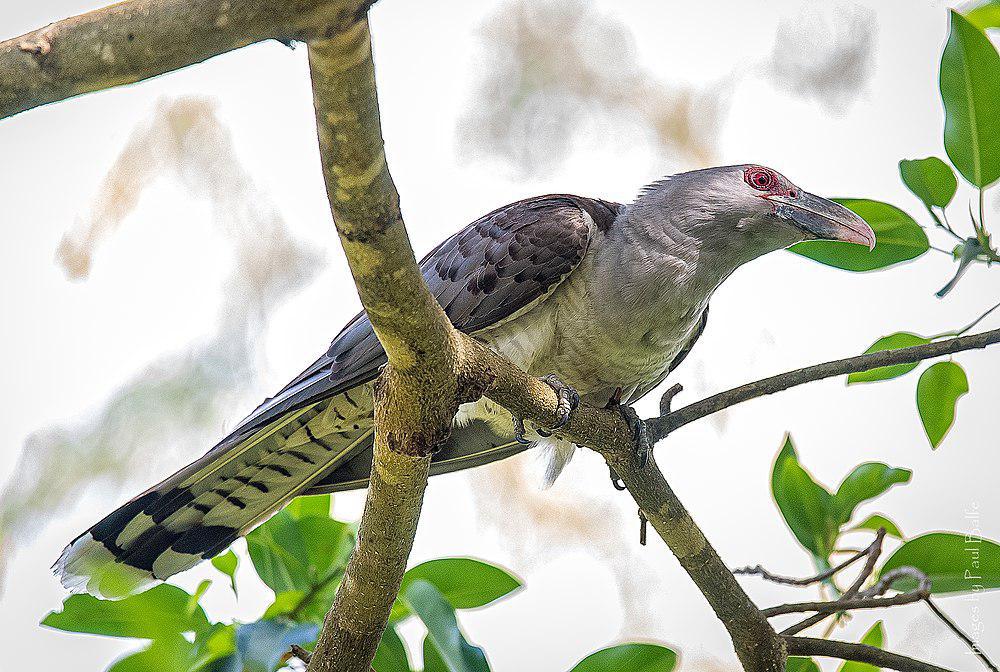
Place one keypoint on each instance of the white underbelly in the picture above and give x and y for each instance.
(594, 358)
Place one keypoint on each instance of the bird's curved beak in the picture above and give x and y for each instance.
(822, 218)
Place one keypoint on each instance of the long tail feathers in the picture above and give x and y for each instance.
(470, 445)
(199, 511)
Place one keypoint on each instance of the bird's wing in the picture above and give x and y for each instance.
(492, 270)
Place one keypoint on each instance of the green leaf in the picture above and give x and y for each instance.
(901, 339)
(312, 505)
(874, 637)
(261, 645)
(427, 602)
(938, 391)
(195, 598)
(432, 658)
(931, 180)
(292, 553)
(800, 664)
(316, 606)
(284, 603)
(464, 582)
(172, 654)
(217, 649)
(899, 238)
(227, 664)
(227, 564)
(629, 658)
(160, 612)
(876, 521)
(867, 481)
(805, 505)
(278, 553)
(970, 89)
(955, 563)
(985, 16)
(390, 656)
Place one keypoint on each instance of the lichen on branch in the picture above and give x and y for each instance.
(131, 41)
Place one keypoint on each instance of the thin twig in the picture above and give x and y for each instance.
(973, 646)
(845, 605)
(967, 327)
(886, 580)
(807, 581)
(872, 554)
(862, 653)
(661, 426)
(300, 653)
(944, 226)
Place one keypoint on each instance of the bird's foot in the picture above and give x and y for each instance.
(569, 400)
(519, 430)
(616, 480)
(640, 436)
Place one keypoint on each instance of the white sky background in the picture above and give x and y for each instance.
(157, 287)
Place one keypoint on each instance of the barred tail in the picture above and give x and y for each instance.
(199, 511)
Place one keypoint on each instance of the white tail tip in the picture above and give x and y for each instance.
(86, 566)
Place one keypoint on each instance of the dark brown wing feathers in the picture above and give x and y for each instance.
(496, 266)
(507, 259)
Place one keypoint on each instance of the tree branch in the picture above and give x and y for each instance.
(809, 580)
(754, 640)
(844, 605)
(659, 427)
(872, 556)
(862, 653)
(131, 41)
(418, 392)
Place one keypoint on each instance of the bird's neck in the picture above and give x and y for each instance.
(691, 254)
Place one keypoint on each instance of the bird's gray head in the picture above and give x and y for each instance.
(748, 210)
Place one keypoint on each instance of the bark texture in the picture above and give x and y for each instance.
(131, 41)
(416, 396)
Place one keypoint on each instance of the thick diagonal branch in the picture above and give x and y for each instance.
(417, 394)
(755, 642)
(135, 40)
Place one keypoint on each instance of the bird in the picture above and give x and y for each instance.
(602, 299)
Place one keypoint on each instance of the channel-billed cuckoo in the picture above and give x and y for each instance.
(603, 297)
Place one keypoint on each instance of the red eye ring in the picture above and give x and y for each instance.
(760, 179)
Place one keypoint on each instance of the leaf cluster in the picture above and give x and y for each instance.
(821, 520)
(301, 554)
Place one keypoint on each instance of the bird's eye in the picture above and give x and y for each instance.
(760, 179)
